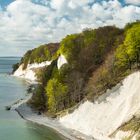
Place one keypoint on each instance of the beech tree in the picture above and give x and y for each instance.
(56, 93)
(132, 41)
(129, 52)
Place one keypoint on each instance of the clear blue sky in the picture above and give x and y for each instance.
(25, 24)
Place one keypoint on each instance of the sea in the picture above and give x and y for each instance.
(12, 126)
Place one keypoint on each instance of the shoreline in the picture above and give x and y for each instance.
(69, 128)
(28, 114)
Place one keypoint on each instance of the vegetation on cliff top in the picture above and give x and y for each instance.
(97, 60)
(42, 53)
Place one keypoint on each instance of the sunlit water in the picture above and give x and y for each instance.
(12, 127)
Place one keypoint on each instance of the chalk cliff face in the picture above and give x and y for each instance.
(101, 119)
(61, 61)
(29, 72)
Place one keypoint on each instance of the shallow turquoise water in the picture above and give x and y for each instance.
(12, 127)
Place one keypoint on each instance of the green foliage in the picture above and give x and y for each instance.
(97, 60)
(132, 42)
(88, 37)
(129, 52)
(103, 78)
(42, 53)
(130, 25)
(26, 58)
(84, 52)
(38, 99)
(87, 50)
(68, 46)
(122, 56)
(56, 92)
(15, 67)
(45, 74)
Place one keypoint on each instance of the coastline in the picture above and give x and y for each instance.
(27, 113)
(31, 115)
(70, 125)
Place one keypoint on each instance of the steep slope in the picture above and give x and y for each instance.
(101, 118)
(63, 69)
(35, 59)
(29, 72)
(83, 67)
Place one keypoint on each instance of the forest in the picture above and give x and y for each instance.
(98, 59)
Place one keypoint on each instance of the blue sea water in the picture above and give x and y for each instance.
(12, 126)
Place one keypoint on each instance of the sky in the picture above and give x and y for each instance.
(26, 24)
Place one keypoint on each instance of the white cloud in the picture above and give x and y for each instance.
(57, 4)
(73, 3)
(24, 24)
(135, 2)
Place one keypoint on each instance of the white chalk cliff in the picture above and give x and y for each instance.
(29, 72)
(61, 61)
(103, 117)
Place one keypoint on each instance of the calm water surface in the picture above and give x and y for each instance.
(12, 127)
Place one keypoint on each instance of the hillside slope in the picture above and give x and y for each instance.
(83, 67)
(101, 118)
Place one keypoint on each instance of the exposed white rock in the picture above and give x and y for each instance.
(19, 72)
(39, 65)
(29, 73)
(61, 61)
(100, 119)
